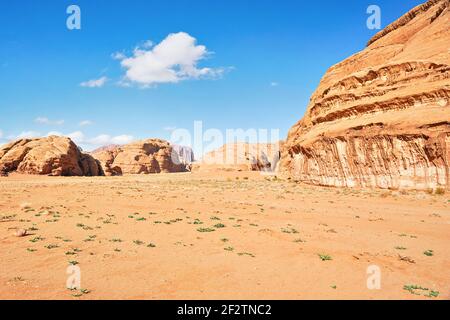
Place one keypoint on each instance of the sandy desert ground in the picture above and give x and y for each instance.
(219, 236)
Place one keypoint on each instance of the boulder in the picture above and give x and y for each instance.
(54, 156)
(141, 157)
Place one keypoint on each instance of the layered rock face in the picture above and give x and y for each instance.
(142, 157)
(241, 157)
(381, 118)
(54, 156)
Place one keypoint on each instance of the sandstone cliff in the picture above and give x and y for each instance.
(55, 156)
(141, 157)
(240, 157)
(381, 118)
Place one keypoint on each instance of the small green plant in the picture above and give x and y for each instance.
(414, 289)
(229, 249)
(433, 294)
(138, 242)
(325, 257)
(51, 246)
(206, 230)
(73, 262)
(36, 239)
(31, 250)
(246, 254)
(428, 253)
(400, 248)
(289, 230)
(219, 226)
(151, 245)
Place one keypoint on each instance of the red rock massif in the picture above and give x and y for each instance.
(54, 156)
(381, 118)
(141, 157)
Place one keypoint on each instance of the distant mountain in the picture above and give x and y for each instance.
(241, 157)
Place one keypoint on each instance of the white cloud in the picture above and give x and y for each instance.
(77, 137)
(169, 128)
(46, 121)
(105, 139)
(123, 139)
(54, 133)
(274, 84)
(173, 60)
(85, 123)
(94, 83)
(27, 134)
(118, 56)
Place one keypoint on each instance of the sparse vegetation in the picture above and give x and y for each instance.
(428, 253)
(325, 257)
(206, 230)
(419, 290)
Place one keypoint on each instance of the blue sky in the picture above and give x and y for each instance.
(260, 63)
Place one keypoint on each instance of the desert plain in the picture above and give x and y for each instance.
(219, 235)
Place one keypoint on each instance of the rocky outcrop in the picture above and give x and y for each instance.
(54, 156)
(241, 157)
(141, 157)
(381, 118)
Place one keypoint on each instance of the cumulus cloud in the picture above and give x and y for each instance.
(54, 133)
(47, 121)
(77, 137)
(85, 123)
(28, 134)
(94, 83)
(105, 139)
(118, 56)
(173, 60)
(274, 84)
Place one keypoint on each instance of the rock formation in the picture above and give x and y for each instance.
(141, 157)
(54, 156)
(381, 118)
(241, 157)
